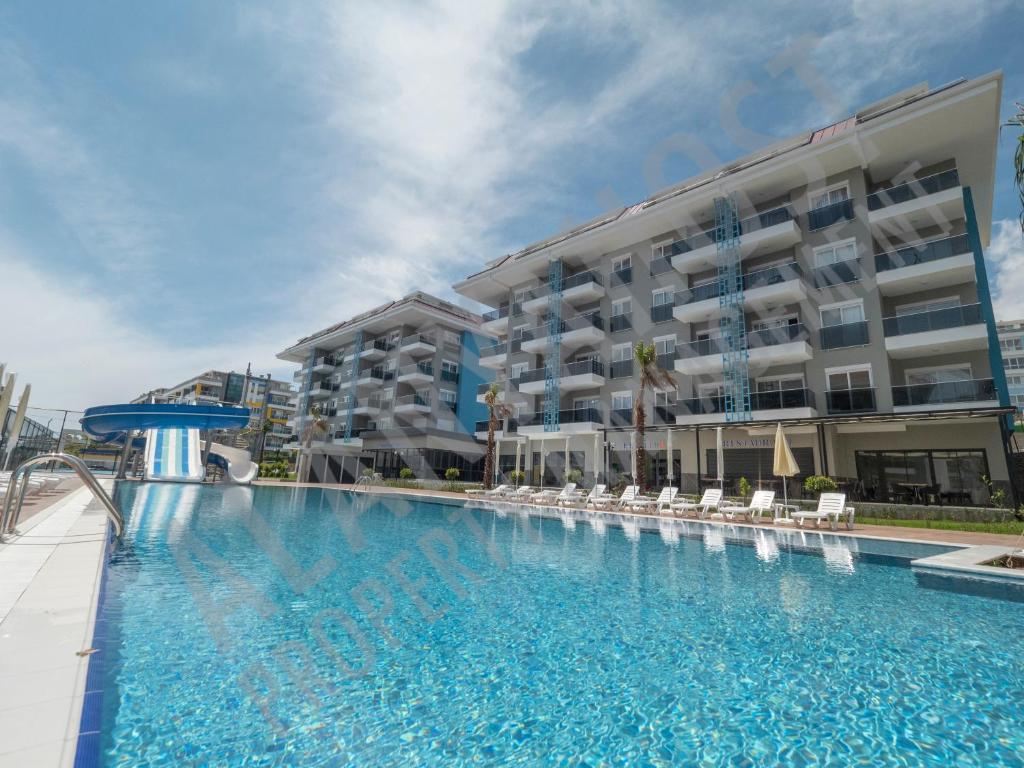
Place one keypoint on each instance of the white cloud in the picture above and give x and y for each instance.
(1005, 256)
(78, 349)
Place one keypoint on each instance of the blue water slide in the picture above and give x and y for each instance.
(107, 423)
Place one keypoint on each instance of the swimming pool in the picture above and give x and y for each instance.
(278, 626)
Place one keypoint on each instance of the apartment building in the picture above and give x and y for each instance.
(1011, 344)
(272, 401)
(398, 386)
(833, 282)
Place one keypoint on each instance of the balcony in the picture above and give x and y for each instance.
(418, 403)
(935, 199)
(765, 348)
(419, 344)
(851, 400)
(969, 393)
(661, 313)
(661, 265)
(570, 422)
(376, 349)
(370, 406)
(840, 273)
(419, 373)
(496, 321)
(939, 331)
(354, 440)
(371, 377)
(324, 364)
(480, 429)
(576, 289)
(764, 406)
(322, 389)
(620, 277)
(452, 377)
(762, 233)
(845, 335)
(582, 375)
(762, 289)
(576, 331)
(827, 215)
(933, 264)
(494, 355)
(621, 322)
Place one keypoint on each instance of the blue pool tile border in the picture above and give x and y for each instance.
(87, 746)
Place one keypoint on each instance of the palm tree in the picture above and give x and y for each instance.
(655, 377)
(495, 411)
(315, 429)
(1017, 121)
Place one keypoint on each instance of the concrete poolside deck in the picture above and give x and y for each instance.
(894, 532)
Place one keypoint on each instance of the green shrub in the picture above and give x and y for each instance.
(574, 476)
(452, 476)
(406, 474)
(744, 488)
(819, 484)
(516, 476)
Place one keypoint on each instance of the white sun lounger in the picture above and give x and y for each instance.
(665, 499)
(761, 504)
(522, 493)
(710, 500)
(598, 497)
(630, 497)
(551, 495)
(831, 507)
(498, 490)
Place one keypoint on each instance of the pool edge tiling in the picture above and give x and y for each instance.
(51, 621)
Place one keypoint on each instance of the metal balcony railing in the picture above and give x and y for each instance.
(933, 320)
(426, 369)
(417, 399)
(913, 189)
(841, 272)
(620, 369)
(661, 313)
(922, 253)
(621, 322)
(419, 338)
(570, 369)
(710, 236)
(759, 401)
(570, 416)
(576, 323)
(761, 277)
(572, 281)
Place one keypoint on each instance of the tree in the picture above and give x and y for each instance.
(655, 377)
(495, 411)
(315, 429)
(1017, 121)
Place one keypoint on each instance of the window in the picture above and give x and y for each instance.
(780, 383)
(664, 398)
(519, 369)
(663, 296)
(949, 302)
(622, 401)
(715, 389)
(835, 253)
(665, 345)
(842, 314)
(1009, 345)
(518, 331)
(622, 263)
(520, 296)
(622, 307)
(389, 365)
(582, 403)
(446, 395)
(395, 336)
(449, 366)
(831, 196)
(960, 372)
(584, 357)
(384, 423)
(840, 379)
(451, 337)
(1014, 362)
(622, 352)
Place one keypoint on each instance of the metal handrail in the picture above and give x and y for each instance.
(12, 508)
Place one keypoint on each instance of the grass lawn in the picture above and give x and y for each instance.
(1014, 527)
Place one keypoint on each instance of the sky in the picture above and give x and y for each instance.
(196, 185)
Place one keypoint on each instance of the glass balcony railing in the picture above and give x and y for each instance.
(620, 277)
(757, 279)
(424, 368)
(933, 320)
(621, 322)
(419, 338)
(827, 215)
(711, 236)
(577, 323)
(845, 335)
(509, 428)
(661, 313)
(620, 369)
(759, 401)
(914, 189)
(570, 369)
(621, 417)
(941, 393)
(496, 314)
(851, 400)
(450, 376)
(755, 339)
(572, 281)
(417, 399)
(661, 265)
(570, 416)
(922, 253)
(841, 272)
(498, 348)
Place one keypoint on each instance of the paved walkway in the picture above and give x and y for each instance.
(901, 533)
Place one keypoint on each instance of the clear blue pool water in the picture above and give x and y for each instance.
(242, 627)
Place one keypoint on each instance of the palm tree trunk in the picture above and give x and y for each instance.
(492, 424)
(641, 453)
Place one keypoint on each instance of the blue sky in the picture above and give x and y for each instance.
(190, 185)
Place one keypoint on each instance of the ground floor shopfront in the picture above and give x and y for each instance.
(927, 458)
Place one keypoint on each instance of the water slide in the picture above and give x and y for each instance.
(173, 447)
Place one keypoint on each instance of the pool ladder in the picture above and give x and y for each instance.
(16, 493)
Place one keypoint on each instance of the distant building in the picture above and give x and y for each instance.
(399, 386)
(35, 438)
(270, 399)
(1011, 342)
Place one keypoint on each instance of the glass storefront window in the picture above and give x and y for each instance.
(909, 477)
